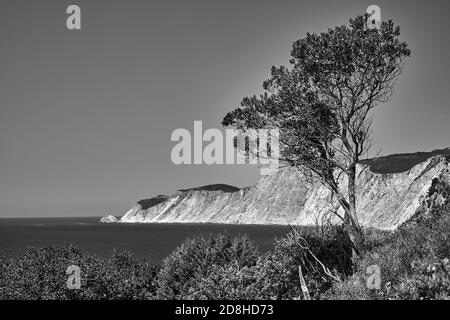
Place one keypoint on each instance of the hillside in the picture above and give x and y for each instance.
(390, 190)
(397, 163)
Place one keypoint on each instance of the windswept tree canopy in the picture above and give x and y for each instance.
(321, 103)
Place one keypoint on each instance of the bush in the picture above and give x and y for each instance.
(41, 273)
(124, 277)
(190, 267)
(313, 249)
(428, 281)
(404, 258)
(229, 281)
(198, 270)
(37, 274)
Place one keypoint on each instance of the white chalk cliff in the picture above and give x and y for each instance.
(390, 191)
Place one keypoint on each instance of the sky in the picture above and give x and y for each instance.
(86, 115)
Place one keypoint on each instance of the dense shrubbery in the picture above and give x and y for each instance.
(278, 271)
(413, 262)
(224, 268)
(199, 266)
(41, 274)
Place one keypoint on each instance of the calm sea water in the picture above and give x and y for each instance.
(152, 242)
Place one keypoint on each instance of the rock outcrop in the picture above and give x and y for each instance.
(386, 197)
(109, 219)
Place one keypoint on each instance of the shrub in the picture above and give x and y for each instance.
(320, 253)
(404, 258)
(428, 281)
(190, 264)
(229, 281)
(37, 274)
(124, 277)
(41, 273)
(277, 277)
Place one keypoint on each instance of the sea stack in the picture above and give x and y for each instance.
(108, 219)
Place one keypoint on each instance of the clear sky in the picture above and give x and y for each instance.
(86, 116)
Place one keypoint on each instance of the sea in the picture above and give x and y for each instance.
(150, 242)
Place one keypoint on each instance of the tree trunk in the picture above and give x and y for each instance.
(357, 238)
(354, 228)
(351, 223)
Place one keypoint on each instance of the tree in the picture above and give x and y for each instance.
(322, 105)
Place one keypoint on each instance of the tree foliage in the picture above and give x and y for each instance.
(321, 104)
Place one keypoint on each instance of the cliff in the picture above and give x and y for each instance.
(390, 190)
